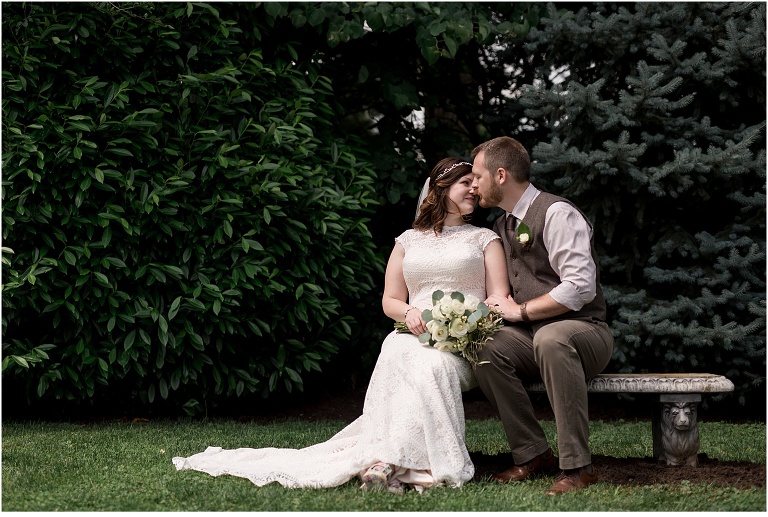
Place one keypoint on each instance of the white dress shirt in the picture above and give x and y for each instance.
(567, 237)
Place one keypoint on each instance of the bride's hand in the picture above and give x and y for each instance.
(415, 323)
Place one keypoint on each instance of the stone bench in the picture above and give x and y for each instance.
(674, 426)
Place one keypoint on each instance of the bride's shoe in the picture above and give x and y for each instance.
(376, 477)
(396, 487)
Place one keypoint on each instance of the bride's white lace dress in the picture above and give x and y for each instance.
(413, 415)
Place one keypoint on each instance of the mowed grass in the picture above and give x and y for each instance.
(123, 466)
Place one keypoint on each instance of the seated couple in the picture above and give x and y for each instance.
(538, 268)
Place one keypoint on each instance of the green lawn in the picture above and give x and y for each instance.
(127, 467)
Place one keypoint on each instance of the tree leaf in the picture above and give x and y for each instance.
(174, 308)
(197, 341)
(129, 339)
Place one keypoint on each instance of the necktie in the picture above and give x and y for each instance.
(511, 223)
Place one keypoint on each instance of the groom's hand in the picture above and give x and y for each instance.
(510, 310)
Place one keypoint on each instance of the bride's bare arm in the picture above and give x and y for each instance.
(395, 299)
(496, 279)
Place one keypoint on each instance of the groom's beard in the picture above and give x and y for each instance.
(493, 197)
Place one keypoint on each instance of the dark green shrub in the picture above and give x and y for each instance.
(185, 217)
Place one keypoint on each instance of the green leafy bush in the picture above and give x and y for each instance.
(182, 217)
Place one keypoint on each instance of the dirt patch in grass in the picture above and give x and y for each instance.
(646, 471)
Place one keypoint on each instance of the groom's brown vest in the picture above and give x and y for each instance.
(530, 274)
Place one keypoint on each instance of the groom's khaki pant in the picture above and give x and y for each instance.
(564, 355)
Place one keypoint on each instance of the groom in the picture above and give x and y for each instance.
(558, 333)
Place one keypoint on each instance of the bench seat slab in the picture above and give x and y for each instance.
(653, 383)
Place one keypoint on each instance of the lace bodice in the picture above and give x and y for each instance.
(450, 261)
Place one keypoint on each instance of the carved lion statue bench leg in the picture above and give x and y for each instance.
(676, 430)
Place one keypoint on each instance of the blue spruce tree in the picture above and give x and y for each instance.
(655, 120)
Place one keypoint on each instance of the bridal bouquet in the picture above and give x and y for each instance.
(457, 323)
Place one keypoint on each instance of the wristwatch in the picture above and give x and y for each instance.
(524, 311)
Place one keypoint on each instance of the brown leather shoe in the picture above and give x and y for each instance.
(543, 464)
(573, 480)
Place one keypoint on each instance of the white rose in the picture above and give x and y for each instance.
(437, 313)
(470, 302)
(523, 238)
(458, 307)
(446, 305)
(447, 346)
(432, 325)
(459, 328)
(440, 333)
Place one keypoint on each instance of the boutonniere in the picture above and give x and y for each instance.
(524, 235)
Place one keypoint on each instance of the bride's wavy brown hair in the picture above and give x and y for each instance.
(433, 209)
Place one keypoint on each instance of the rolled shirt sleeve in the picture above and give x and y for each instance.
(567, 236)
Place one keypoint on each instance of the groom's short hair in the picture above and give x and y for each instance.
(507, 153)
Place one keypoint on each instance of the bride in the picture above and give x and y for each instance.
(411, 432)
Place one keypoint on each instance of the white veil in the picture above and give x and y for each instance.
(424, 192)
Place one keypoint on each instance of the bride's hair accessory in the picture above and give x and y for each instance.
(449, 169)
